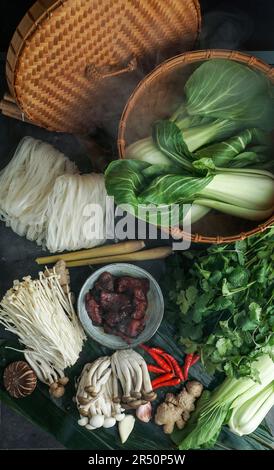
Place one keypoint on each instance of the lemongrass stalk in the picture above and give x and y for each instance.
(154, 253)
(106, 250)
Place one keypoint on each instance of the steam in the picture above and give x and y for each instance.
(229, 27)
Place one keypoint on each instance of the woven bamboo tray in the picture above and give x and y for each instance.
(157, 97)
(72, 64)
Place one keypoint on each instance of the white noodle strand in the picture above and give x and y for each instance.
(72, 224)
(43, 197)
(25, 184)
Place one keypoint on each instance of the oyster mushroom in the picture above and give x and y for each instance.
(108, 386)
(122, 372)
(94, 396)
(131, 370)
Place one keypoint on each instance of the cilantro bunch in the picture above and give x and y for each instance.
(223, 299)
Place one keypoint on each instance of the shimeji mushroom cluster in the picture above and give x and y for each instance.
(109, 386)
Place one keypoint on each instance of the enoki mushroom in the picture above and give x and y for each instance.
(41, 314)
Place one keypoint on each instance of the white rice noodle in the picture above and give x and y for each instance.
(25, 184)
(44, 320)
(76, 213)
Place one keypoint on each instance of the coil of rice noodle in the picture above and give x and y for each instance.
(43, 197)
(25, 184)
(76, 212)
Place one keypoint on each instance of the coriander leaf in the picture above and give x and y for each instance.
(255, 312)
(231, 321)
(248, 325)
(215, 277)
(225, 288)
(223, 346)
(221, 303)
(238, 277)
(187, 298)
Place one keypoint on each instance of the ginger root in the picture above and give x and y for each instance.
(64, 279)
(177, 408)
(61, 270)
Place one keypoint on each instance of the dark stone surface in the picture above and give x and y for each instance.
(18, 433)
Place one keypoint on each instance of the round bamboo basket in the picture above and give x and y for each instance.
(157, 97)
(72, 64)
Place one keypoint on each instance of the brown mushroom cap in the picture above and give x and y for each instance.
(58, 392)
(19, 379)
(63, 380)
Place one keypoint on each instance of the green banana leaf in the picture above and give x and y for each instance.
(59, 416)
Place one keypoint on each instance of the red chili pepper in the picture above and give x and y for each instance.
(157, 350)
(155, 369)
(195, 359)
(167, 359)
(162, 378)
(152, 348)
(187, 364)
(176, 367)
(168, 383)
(158, 359)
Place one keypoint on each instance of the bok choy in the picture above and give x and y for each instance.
(222, 98)
(240, 403)
(226, 89)
(244, 193)
(250, 409)
(215, 152)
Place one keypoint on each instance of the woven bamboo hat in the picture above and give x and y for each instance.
(157, 97)
(72, 64)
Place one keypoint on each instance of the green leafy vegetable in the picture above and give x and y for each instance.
(242, 192)
(224, 153)
(229, 320)
(250, 409)
(169, 140)
(242, 403)
(222, 98)
(226, 89)
(170, 189)
(222, 125)
(222, 301)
